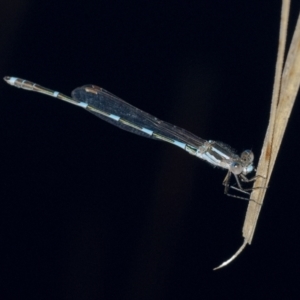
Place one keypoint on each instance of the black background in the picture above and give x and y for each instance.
(89, 211)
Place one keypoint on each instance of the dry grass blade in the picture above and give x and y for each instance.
(284, 94)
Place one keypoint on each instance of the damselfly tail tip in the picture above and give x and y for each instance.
(10, 80)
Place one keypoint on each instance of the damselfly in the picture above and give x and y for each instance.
(112, 109)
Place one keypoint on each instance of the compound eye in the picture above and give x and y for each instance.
(236, 168)
(247, 156)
